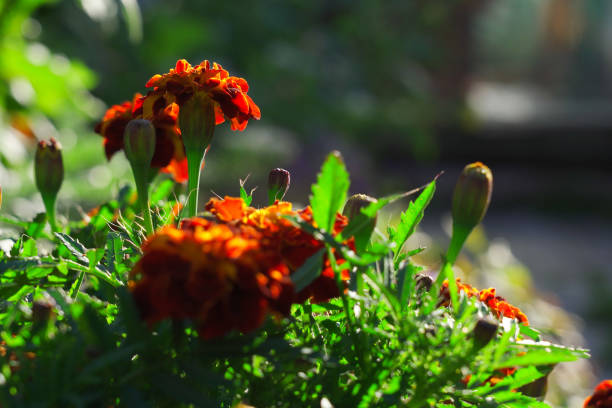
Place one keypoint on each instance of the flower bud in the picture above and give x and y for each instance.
(197, 123)
(139, 142)
(423, 282)
(48, 169)
(355, 203)
(278, 184)
(43, 310)
(484, 332)
(360, 225)
(472, 196)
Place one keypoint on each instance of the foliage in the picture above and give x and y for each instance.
(72, 336)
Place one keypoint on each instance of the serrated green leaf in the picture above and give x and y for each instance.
(329, 192)
(543, 353)
(74, 246)
(410, 218)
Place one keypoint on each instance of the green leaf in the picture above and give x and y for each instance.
(543, 353)
(529, 332)
(162, 191)
(329, 192)
(246, 197)
(309, 271)
(74, 246)
(411, 218)
(35, 228)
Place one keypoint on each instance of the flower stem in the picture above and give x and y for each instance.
(49, 203)
(142, 187)
(194, 165)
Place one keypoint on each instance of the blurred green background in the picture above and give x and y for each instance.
(404, 88)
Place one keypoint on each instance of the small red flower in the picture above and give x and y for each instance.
(184, 81)
(602, 396)
(169, 153)
(497, 304)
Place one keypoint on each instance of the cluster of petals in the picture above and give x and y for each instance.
(293, 244)
(228, 271)
(169, 153)
(162, 105)
(602, 396)
(229, 93)
(497, 304)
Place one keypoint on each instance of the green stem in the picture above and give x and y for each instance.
(194, 165)
(49, 203)
(142, 187)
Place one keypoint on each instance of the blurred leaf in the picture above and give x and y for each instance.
(329, 192)
(309, 271)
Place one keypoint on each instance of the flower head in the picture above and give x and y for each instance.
(215, 274)
(169, 153)
(181, 83)
(279, 234)
(497, 304)
(602, 396)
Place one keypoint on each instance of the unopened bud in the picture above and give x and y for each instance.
(472, 196)
(423, 282)
(42, 310)
(355, 203)
(48, 168)
(278, 184)
(197, 123)
(139, 142)
(484, 332)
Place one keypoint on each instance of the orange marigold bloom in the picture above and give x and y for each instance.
(293, 244)
(602, 396)
(228, 92)
(215, 274)
(169, 151)
(496, 304)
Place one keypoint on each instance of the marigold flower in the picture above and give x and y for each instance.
(498, 305)
(228, 92)
(169, 153)
(293, 244)
(602, 396)
(215, 274)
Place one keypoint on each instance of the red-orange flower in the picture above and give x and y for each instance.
(169, 151)
(602, 396)
(496, 304)
(293, 244)
(228, 92)
(215, 274)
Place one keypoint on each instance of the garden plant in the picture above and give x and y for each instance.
(163, 297)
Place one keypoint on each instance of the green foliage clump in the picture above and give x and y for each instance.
(72, 336)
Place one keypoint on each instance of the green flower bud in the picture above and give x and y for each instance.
(197, 123)
(484, 332)
(355, 203)
(139, 143)
(360, 225)
(472, 196)
(278, 184)
(48, 168)
(139, 146)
